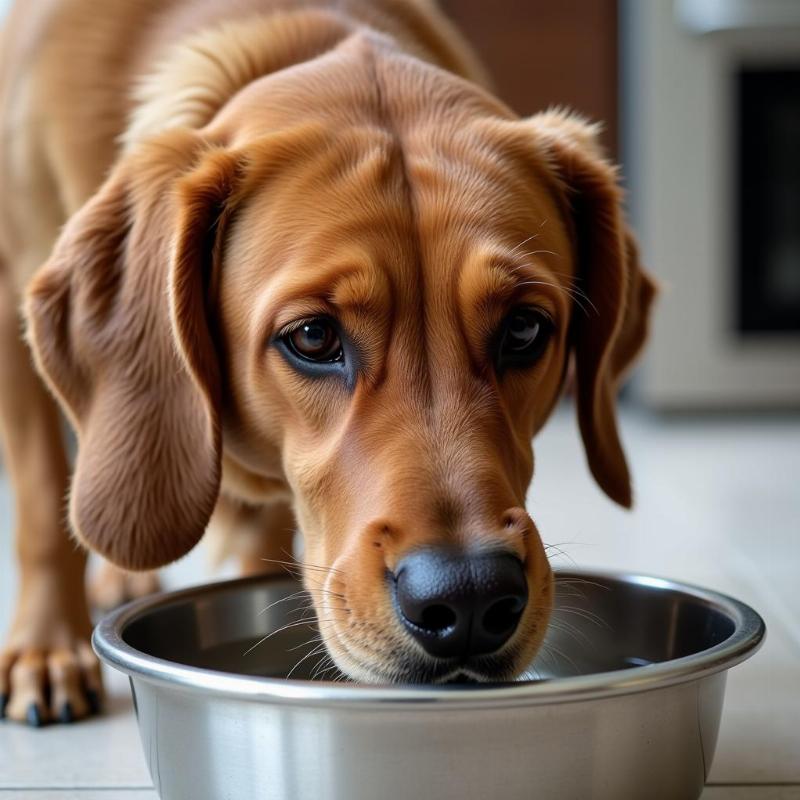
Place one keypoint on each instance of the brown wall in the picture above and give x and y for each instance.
(547, 52)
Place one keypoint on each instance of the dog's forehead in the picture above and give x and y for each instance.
(391, 183)
(395, 205)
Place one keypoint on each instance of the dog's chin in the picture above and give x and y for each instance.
(485, 673)
(446, 676)
(437, 672)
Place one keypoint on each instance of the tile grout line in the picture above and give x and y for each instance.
(83, 788)
(759, 785)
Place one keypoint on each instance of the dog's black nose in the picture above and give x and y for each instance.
(455, 604)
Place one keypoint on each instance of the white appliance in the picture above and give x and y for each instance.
(711, 145)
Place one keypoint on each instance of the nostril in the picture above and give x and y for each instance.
(503, 615)
(459, 604)
(438, 618)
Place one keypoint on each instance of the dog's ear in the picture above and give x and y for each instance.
(609, 333)
(121, 329)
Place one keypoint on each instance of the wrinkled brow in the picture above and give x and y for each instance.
(362, 290)
(358, 289)
(492, 284)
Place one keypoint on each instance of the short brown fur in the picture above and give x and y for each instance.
(285, 160)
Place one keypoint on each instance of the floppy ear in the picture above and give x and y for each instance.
(608, 337)
(119, 326)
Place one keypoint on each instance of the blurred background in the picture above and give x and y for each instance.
(701, 105)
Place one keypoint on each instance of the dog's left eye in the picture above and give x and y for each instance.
(523, 337)
(315, 340)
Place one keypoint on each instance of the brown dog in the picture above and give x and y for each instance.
(309, 264)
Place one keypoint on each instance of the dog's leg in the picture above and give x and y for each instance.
(259, 536)
(270, 550)
(47, 668)
(111, 586)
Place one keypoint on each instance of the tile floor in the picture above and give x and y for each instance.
(718, 504)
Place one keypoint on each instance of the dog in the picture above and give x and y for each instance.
(292, 260)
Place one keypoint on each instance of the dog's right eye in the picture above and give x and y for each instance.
(523, 337)
(315, 340)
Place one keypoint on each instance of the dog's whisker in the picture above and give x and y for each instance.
(295, 565)
(530, 674)
(295, 560)
(293, 572)
(315, 652)
(319, 674)
(314, 640)
(578, 580)
(282, 600)
(559, 552)
(572, 585)
(551, 647)
(572, 543)
(310, 604)
(584, 613)
(325, 664)
(312, 615)
(574, 633)
(523, 243)
(572, 288)
(568, 290)
(549, 658)
(538, 252)
(326, 595)
(572, 293)
(288, 626)
(572, 280)
(570, 593)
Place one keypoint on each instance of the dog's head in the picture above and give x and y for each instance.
(365, 280)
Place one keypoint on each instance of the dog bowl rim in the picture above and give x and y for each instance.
(747, 637)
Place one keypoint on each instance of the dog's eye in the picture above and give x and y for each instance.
(315, 340)
(523, 337)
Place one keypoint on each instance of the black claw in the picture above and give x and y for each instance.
(34, 716)
(93, 699)
(3, 704)
(67, 715)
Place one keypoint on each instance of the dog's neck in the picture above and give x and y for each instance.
(196, 76)
(199, 75)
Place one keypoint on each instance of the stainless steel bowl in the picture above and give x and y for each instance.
(624, 701)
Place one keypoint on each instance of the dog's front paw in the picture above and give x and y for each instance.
(55, 681)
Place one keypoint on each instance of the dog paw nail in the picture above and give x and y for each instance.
(3, 704)
(67, 715)
(34, 716)
(93, 699)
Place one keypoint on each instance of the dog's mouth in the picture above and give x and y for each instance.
(485, 670)
(492, 669)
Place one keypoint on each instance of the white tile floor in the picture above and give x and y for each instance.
(718, 505)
